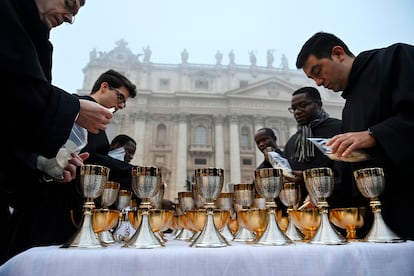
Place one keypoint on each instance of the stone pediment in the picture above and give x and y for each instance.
(271, 87)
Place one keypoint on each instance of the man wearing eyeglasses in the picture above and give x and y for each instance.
(43, 114)
(313, 121)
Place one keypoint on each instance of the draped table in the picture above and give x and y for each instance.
(177, 258)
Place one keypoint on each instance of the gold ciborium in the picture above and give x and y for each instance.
(290, 196)
(244, 194)
(109, 196)
(159, 219)
(92, 182)
(209, 183)
(197, 219)
(254, 220)
(371, 183)
(225, 202)
(350, 219)
(319, 183)
(103, 220)
(268, 183)
(146, 182)
(185, 203)
(307, 220)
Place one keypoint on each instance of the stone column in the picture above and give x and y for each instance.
(219, 145)
(235, 175)
(258, 124)
(181, 167)
(139, 136)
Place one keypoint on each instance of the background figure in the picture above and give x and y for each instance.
(123, 148)
(147, 54)
(266, 141)
(46, 112)
(184, 56)
(252, 58)
(270, 58)
(219, 57)
(377, 117)
(231, 57)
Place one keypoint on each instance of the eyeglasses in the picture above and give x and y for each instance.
(301, 106)
(70, 6)
(120, 96)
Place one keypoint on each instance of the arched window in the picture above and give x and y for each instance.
(200, 135)
(161, 134)
(245, 139)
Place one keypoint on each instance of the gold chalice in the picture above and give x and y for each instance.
(109, 196)
(319, 183)
(92, 181)
(146, 182)
(159, 219)
(371, 183)
(254, 220)
(290, 196)
(185, 203)
(244, 194)
(268, 183)
(209, 183)
(124, 229)
(349, 219)
(307, 220)
(197, 218)
(225, 202)
(103, 220)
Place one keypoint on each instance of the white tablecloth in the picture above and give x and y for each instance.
(177, 258)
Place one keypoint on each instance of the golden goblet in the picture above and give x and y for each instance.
(371, 183)
(307, 220)
(319, 183)
(254, 220)
(92, 181)
(159, 219)
(104, 219)
(349, 219)
(209, 183)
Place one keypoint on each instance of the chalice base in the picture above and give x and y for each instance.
(85, 237)
(273, 235)
(327, 234)
(244, 235)
(184, 235)
(380, 232)
(210, 236)
(144, 237)
(226, 232)
(293, 233)
(106, 237)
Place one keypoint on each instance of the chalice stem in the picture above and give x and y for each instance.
(144, 237)
(379, 231)
(210, 236)
(273, 235)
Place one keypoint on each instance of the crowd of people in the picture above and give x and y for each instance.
(377, 86)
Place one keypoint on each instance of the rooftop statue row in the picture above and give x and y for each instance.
(146, 53)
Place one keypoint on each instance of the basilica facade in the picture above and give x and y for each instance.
(187, 116)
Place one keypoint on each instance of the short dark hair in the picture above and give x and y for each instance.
(122, 140)
(115, 80)
(311, 92)
(320, 45)
(268, 131)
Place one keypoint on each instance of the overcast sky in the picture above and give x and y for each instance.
(205, 27)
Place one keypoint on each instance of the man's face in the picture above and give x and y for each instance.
(329, 73)
(304, 109)
(54, 12)
(263, 141)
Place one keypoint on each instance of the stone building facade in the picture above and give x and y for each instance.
(189, 116)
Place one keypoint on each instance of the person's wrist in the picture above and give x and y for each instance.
(370, 132)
